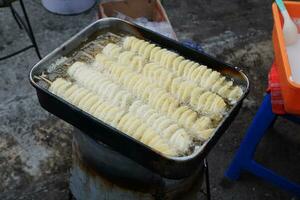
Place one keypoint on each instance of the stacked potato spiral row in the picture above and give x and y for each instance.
(100, 84)
(162, 101)
(113, 115)
(200, 74)
(105, 88)
(201, 100)
(170, 130)
(151, 94)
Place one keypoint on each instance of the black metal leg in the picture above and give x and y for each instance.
(31, 35)
(27, 27)
(272, 124)
(207, 183)
(17, 52)
(13, 12)
(23, 24)
(70, 195)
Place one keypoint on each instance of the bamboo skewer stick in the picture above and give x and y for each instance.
(99, 45)
(41, 77)
(112, 34)
(87, 54)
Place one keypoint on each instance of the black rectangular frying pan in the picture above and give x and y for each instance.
(169, 167)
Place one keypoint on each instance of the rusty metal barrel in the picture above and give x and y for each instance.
(98, 172)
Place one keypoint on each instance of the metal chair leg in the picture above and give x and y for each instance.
(27, 27)
(17, 52)
(31, 35)
(70, 195)
(13, 12)
(22, 23)
(207, 182)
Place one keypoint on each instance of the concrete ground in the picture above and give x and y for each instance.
(35, 146)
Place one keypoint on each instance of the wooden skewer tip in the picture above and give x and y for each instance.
(44, 79)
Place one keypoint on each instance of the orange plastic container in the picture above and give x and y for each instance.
(290, 90)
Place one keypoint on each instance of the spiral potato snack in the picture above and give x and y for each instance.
(202, 101)
(200, 74)
(103, 86)
(107, 89)
(112, 115)
(153, 95)
(160, 100)
(169, 129)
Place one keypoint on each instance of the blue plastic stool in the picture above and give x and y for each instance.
(243, 160)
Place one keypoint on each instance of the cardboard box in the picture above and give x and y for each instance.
(150, 9)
